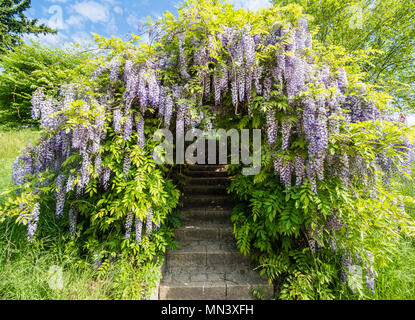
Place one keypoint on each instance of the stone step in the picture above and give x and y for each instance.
(213, 286)
(197, 269)
(239, 286)
(205, 230)
(207, 254)
(205, 174)
(215, 181)
(175, 287)
(205, 190)
(208, 167)
(215, 201)
(206, 214)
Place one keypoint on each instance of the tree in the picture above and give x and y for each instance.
(29, 67)
(381, 33)
(14, 23)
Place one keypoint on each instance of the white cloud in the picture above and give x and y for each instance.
(58, 1)
(53, 40)
(112, 27)
(93, 11)
(118, 10)
(31, 12)
(112, 2)
(133, 21)
(43, 21)
(253, 5)
(56, 17)
(155, 15)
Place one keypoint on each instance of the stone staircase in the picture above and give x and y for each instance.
(208, 264)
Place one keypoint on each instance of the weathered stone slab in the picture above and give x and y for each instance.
(206, 173)
(207, 200)
(226, 258)
(208, 167)
(203, 290)
(204, 230)
(205, 190)
(201, 214)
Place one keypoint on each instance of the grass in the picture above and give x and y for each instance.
(26, 269)
(397, 280)
(53, 267)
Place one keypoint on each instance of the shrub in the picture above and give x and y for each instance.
(14, 23)
(323, 190)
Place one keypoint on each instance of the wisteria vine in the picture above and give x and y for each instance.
(225, 64)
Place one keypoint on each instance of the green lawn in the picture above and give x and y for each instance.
(25, 269)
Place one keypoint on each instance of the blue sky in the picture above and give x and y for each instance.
(75, 20)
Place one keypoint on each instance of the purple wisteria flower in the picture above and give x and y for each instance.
(128, 226)
(149, 222)
(138, 230)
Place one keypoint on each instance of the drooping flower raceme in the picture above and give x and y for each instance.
(218, 67)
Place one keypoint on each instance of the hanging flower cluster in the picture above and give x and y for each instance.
(291, 72)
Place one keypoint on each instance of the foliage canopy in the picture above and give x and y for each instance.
(378, 34)
(323, 199)
(31, 66)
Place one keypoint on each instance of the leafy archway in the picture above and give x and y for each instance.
(323, 191)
